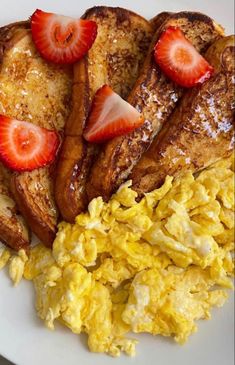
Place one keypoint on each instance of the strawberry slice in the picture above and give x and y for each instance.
(25, 146)
(179, 60)
(62, 39)
(110, 116)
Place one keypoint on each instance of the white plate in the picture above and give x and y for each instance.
(23, 338)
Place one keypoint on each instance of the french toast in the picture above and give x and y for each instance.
(13, 229)
(155, 96)
(36, 91)
(201, 129)
(159, 19)
(114, 59)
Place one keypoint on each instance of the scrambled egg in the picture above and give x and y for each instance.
(148, 266)
(4, 255)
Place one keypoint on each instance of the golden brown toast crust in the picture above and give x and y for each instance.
(200, 131)
(13, 229)
(33, 193)
(38, 92)
(155, 97)
(8, 35)
(159, 19)
(114, 59)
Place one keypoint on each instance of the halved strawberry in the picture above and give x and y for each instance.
(25, 146)
(179, 60)
(62, 39)
(110, 116)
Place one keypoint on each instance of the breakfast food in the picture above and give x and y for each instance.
(34, 91)
(62, 39)
(154, 266)
(110, 116)
(153, 95)
(201, 129)
(115, 59)
(158, 254)
(179, 60)
(25, 146)
(13, 229)
(159, 19)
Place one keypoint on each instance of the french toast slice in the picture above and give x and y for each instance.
(33, 90)
(155, 96)
(201, 129)
(159, 19)
(114, 59)
(13, 229)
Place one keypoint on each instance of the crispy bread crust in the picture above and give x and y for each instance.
(122, 15)
(105, 63)
(12, 239)
(8, 35)
(34, 194)
(13, 229)
(74, 161)
(201, 129)
(159, 19)
(155, 97)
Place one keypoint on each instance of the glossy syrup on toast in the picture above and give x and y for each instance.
(201, 129)
(114, 59)
(35, 91)
(155, 96)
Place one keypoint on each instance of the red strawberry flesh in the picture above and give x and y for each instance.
(110, 116)
(25, 146)
(179, 59)
(61, 39)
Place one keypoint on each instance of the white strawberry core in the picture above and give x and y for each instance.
(63, 26)
(183, 54)
(113, 109)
